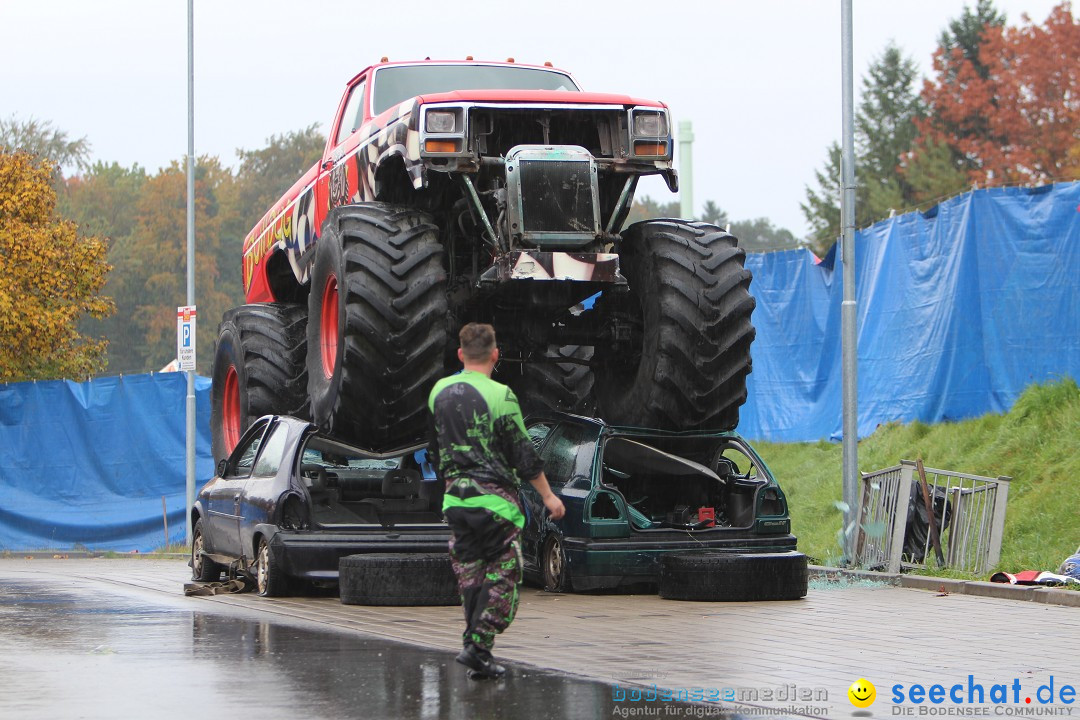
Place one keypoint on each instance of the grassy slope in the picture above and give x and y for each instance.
(1037, 443)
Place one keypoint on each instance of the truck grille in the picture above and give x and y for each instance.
(557, 196)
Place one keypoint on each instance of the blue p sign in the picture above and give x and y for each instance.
(187, 335)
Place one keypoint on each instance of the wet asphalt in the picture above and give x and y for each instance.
(72, 649)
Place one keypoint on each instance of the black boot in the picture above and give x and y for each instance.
(480, 663)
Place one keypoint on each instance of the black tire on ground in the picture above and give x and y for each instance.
(203, 569)
(714, 575)
(689, 299)
(562, 386)
(377, 326)
(259, 368)
(270, 580)
(553, 563)
(406, 579)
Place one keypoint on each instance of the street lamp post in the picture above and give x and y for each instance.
(849, 341)
(189, 494)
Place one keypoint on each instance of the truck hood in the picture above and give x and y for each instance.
(544, 97)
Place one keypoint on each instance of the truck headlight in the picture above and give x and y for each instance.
(441, 121)
(650, 123)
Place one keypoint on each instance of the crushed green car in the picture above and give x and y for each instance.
(696, 513)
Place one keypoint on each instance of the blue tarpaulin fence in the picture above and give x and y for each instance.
(960, 309)
(87, 464)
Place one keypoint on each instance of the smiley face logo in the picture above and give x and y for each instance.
(862, 693)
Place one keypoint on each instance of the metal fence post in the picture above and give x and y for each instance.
(998, 527)
(899, 521)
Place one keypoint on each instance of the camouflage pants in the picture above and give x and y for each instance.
(489, 590)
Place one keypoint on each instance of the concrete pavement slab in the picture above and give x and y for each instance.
(799, 654)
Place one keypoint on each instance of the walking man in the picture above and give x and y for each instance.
(482, 452)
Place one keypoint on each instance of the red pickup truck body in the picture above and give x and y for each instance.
(347, 172)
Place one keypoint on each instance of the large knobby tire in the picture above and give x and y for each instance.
(564, 386)
(690, 305)
(407, 579)
(259, 369)
(377, 324)
(715, 575)
(203, 569)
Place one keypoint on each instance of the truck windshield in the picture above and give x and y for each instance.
(397, 84)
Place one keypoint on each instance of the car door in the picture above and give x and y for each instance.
(224, 501)
(339, 177)
(265, 484)
(567, 453)
(530, 499)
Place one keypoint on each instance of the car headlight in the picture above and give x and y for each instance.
(648, 123)
(441, 121)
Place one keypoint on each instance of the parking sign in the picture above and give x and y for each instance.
(185, 337)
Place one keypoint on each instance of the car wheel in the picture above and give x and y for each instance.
(397, 579)
(203, 569)
(270, 581)
(553, 559)
(733, 576)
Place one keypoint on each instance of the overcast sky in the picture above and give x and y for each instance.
(759, 79)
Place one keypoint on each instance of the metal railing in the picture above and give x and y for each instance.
(956, 518)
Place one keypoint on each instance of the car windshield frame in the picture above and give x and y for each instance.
(394, 84)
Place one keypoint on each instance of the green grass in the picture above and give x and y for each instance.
(1037, 443)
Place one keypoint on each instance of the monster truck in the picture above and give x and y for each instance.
(478, 191)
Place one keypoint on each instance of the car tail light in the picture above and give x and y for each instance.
(771, 502)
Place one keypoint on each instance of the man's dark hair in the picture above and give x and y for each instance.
(477, 341)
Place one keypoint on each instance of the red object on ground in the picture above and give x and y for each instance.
(707, 513)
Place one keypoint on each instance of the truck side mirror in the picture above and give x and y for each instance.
(222, 463)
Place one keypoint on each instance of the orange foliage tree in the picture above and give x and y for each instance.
(151, 264)
(1016, 119)
(50, 278)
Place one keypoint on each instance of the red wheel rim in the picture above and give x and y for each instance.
(230, 409)
(328, 327)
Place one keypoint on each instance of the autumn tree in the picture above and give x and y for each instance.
(265, 174)
(144, 221)
(51, 279)
(102, 199)
(262, 177)
(151, 269)
(1009, 110)
(1035, 76)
